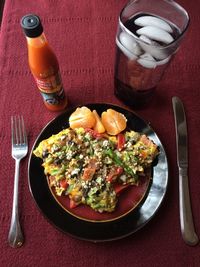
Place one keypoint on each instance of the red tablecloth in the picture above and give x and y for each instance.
(83, 35)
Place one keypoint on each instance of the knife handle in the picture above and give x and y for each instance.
(186, 219)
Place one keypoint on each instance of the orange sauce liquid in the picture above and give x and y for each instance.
(43, 64)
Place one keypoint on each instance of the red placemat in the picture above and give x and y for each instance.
(82, 34)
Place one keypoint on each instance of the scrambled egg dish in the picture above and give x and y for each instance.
(93, 168)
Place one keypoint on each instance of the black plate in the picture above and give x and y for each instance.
(95, 231)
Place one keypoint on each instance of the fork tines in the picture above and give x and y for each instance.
(18, 130)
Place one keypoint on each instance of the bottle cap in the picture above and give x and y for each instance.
(31, 25)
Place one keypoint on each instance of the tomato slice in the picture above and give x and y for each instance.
(73, 204)
(120, 141)
(88, 173)
(119, 188)
(94, 133)
(114, 173)
(64, 184)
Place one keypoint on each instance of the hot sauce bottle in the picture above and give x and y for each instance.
(43, 64)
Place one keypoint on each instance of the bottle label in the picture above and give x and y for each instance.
(51, 89)
(53, 98)
(50, 84)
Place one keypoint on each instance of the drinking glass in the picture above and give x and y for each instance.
(149, 34)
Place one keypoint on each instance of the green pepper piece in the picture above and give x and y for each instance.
(114, 156)
(54, 172)
(119, 162)
(69, 189)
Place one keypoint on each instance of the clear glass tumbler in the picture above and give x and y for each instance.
(149, 34)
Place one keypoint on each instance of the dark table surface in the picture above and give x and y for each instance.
(82, 34)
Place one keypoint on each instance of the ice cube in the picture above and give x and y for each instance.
(153, 48)
(156, 34)
(129, 43)
(145, 39)
(164, 61)
(147, 61)
(153, 21)
(126, 52)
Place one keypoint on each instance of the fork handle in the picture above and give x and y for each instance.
(15, 236)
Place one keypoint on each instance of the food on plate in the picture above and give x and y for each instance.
(82, 117)
(113, 121)
(98, 127)
(92, 168)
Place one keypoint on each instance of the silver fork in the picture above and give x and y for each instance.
(19, 151)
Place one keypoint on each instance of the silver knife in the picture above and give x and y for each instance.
(186, 219)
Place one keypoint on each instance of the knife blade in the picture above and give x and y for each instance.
(186, 219)
(181, 133)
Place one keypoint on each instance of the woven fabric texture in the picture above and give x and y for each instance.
(82, 34)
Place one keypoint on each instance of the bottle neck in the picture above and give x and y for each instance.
(37, 41)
